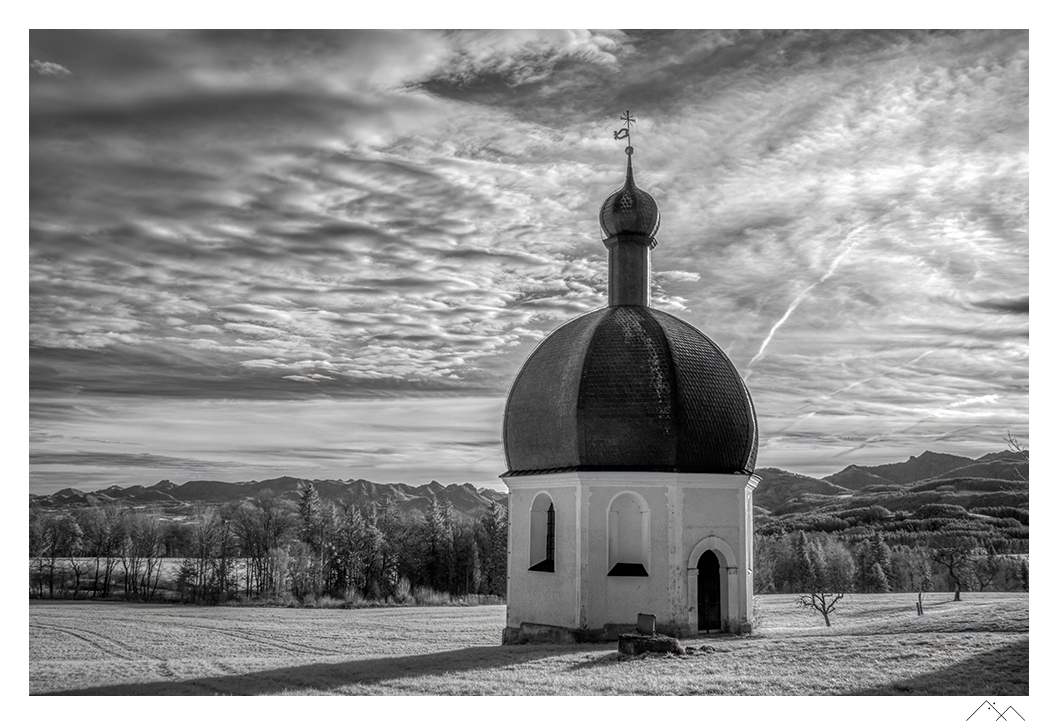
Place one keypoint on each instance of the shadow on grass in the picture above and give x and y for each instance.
(327, 676)
(607, 654)
(605, 658)
(1000, 672)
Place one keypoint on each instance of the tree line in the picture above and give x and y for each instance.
(270, 550)
(274, 550)
(823, 567)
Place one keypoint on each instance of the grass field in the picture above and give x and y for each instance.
(877, 646)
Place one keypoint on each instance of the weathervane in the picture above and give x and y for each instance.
(626, 132)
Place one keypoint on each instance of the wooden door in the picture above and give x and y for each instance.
(709, 592)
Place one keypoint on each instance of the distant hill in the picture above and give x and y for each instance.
(466, 500)
(985, 498)
(892, 496)
(968, 493)
(966, 484)
(925, 466)
(778, 487)
(928, 466)
(997, 466)
(856, 478)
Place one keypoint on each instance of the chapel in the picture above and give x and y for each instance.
(630, 441)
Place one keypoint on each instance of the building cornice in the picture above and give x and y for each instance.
(631, 479)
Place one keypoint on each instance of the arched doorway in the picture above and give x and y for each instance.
(712, 578)
(709, 595)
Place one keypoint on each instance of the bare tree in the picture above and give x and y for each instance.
(953, 554)
(921, 574)
(207, 574)
(79, 567)
(104, 531)
(39, 546)
(1019, 449)
(144, 548)
(263, 529)
(62, 537)
(986, 568)
(822, 602)
(829, 572)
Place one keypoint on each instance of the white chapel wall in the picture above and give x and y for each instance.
(682, 511)
(547, 598)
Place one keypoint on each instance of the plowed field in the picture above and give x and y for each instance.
(877, 646)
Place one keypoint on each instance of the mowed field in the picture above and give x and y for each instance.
(877, 646)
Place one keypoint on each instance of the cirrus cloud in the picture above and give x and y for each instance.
(281, 216)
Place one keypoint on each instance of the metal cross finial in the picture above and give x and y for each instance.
(628, 120)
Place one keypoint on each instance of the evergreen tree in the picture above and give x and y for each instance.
(838, 566)
(351, 551)
(388, 540)
(374, 559)
(311, 511)
(877, 581)
(493, 526)
(807, 565)
(438, 543)
(818, 570)
(474, 568)
(318, 526)
(880, 554)
(766, 559)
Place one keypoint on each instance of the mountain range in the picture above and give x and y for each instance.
(466, 499)
(996, 479)
(928, 477)
(929, 465)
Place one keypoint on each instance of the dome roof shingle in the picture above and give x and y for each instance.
(629, 388)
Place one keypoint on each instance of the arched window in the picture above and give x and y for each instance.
(628, 536)
(542, 534)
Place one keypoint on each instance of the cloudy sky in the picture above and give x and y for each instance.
(326, 254)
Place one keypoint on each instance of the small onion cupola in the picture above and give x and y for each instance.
(629, 210)
(628, 221)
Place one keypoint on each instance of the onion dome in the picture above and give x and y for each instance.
(629, 388)
(629, 210)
